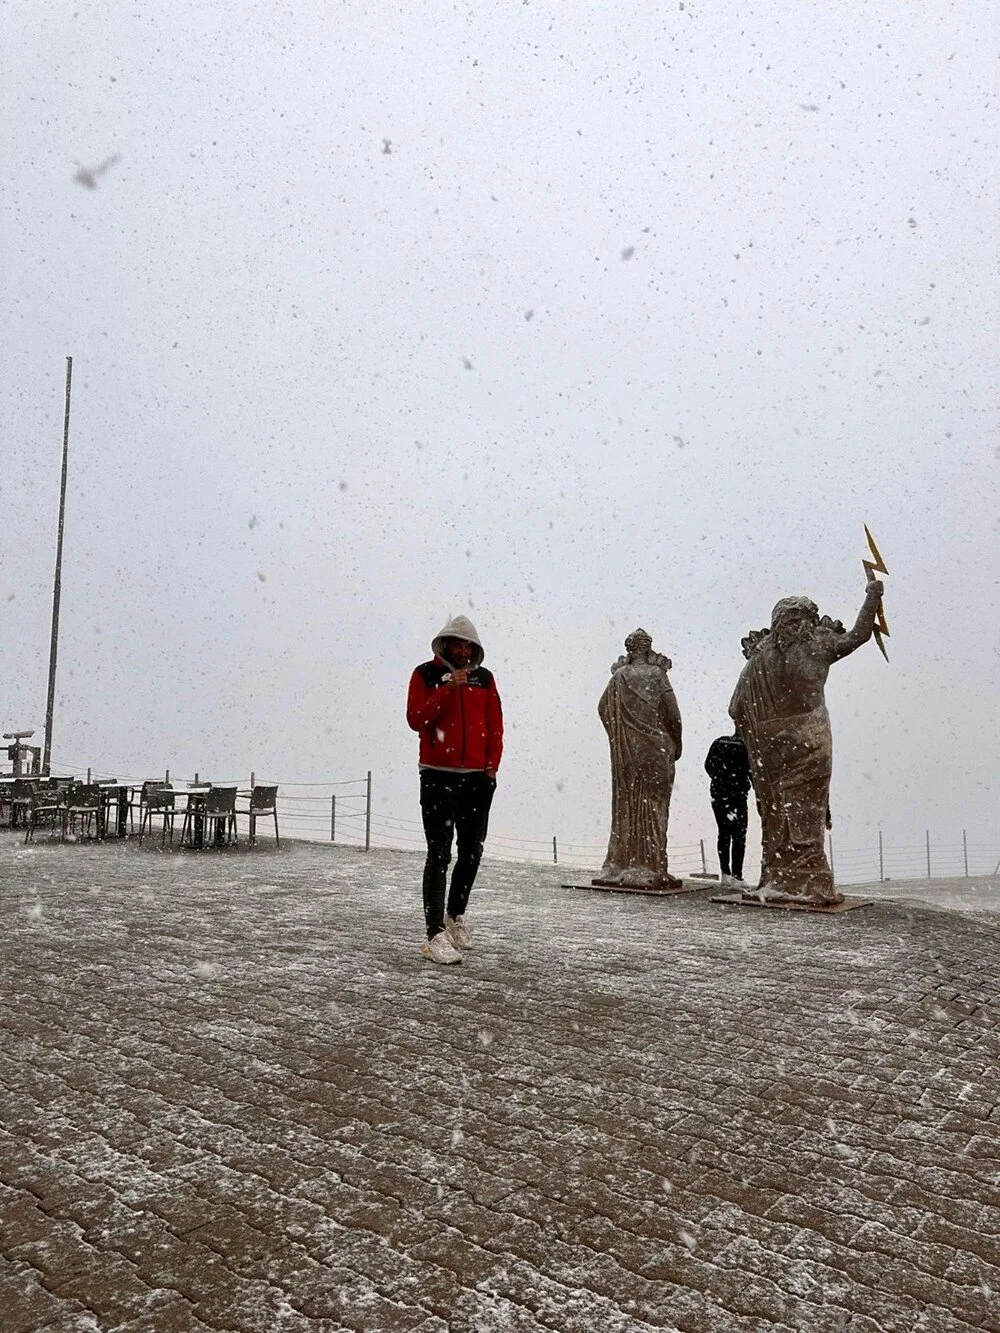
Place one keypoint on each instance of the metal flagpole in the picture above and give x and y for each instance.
(57, 583)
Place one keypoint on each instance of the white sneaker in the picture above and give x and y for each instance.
(440, 949)
(458, 932)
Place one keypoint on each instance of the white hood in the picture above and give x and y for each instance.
(458, 627)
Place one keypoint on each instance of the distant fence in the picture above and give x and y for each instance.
(933, 858)
(342, 812)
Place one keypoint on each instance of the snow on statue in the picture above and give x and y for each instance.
(780, 709)
(643, 722)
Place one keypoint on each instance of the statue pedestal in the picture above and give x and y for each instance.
(824, 909)
(668, 889)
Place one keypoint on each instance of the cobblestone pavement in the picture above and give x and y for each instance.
(233, 1097)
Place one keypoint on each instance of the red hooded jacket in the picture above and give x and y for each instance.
(460, 727)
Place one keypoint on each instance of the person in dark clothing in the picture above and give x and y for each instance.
(728, 767)
(454, 706)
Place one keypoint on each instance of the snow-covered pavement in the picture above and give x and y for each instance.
(974, 893)
(234, 1097)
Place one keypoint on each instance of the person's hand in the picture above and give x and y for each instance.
(459, 676)
(875, 589)
(491, 773)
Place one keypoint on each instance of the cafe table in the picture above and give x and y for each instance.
(195, 795)
(117, 797)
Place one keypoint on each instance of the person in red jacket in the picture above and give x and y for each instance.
(454, 706)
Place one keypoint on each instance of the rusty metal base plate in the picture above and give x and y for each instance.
(667, 891)
(738, 900)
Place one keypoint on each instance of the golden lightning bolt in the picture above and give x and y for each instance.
(873, 567)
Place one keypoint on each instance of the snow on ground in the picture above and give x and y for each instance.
(976, 893)
(235, 1097)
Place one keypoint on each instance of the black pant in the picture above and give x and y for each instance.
(450, 803)
(731, 816)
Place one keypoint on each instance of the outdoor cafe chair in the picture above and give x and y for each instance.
(138, 802)
(116, 806)
(157, 798)
(47, 802)
(263, 802)
(85, 801)
(22, 797)
(217, 805)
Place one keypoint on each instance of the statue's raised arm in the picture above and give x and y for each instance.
(839, 645)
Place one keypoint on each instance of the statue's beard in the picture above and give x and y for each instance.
(785, 636)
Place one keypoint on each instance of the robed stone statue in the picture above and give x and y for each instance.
(779, 708)
(640, 715)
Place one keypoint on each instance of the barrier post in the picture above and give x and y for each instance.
(368, 813)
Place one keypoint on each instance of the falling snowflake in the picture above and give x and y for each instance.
(87, 176)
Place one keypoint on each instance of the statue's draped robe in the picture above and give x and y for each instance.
(640, 715)
(791, 759)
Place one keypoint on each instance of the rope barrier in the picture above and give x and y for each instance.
(310, 815)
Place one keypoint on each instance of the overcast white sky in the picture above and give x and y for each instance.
(571, 317)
